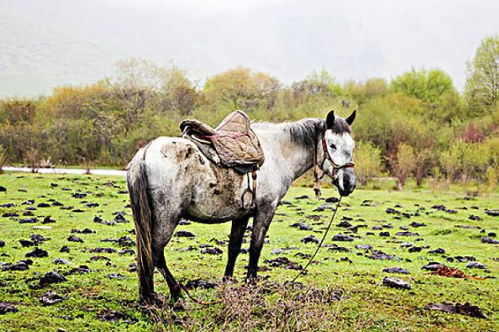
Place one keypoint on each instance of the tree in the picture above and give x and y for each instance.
(404, 164)
(368, 161)
(241, 88)
(422, 84)
(482, 85)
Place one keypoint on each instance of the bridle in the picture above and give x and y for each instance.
(336, 167)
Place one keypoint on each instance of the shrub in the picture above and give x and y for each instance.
(367, 161)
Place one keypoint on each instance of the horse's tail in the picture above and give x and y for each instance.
(142, 214)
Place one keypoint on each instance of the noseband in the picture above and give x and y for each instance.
(336, 167)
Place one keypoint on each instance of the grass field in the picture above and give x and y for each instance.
(343, 289)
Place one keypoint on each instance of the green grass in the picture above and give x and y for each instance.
(365, 303)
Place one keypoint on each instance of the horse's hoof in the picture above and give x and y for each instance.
(229, 279)
(178, 307)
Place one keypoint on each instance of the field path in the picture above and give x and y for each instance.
(110, 172)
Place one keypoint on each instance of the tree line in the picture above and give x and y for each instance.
(415, 125)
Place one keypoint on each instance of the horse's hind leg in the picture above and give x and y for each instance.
(236, 239)
(160, 262)
(165, 224)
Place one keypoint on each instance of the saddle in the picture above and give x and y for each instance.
(231, 144)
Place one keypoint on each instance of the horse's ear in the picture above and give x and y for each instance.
(351, 118)
(330, 120)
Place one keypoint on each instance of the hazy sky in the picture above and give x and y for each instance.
(45, 43)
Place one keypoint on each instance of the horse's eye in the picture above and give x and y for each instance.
(332, 146)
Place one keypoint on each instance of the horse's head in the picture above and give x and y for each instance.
(335, 152)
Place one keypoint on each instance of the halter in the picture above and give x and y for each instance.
(336, 167)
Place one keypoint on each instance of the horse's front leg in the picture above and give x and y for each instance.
(236, 239)
(261, 224)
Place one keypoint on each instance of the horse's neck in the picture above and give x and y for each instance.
(295, 158)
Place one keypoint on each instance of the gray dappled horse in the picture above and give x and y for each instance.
(171, 179)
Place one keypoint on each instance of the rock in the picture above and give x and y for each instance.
(432, 266)
(74, 238)
(6, 307)
(108, 315)
(284, 263)
(124, 241)
(489, 240)
(102, 250)
(61, 261)
(345, 224)
(437, 251)
(439, 207)
(464, 309)
(301, 226)
(10, 214)
(384, 233)
(19, 266)
(28, 220)
(310, 239)
(79, 195)
(476, 265)
(406, 234)
(126, 252)
(132, 267)
(493, 213)
(50, 298)
(406, 245)
(212, 251)
(115, 276)
(364, 246)
(185, 234)
(48, 220)
(323, 207)
(475, 218)
(335, 247)
(184, 222)
(392, 211)
(332, 199)
(37, 252)
(120, 218)
(80, 270)
(43, 205)
(395, 270)
(416, 224)
(342, 237)
(199, 283)
(378, 254)
(303, 197)
(415, 249)
(51, 277)
(2, 243)
(64, 249)
(376, 228)
(396, 283)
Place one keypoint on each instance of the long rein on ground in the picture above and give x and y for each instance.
(336, 168)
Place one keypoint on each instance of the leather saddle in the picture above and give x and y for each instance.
(231, 144)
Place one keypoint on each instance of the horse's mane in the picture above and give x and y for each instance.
(305, 131)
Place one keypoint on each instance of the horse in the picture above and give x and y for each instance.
(170, 179)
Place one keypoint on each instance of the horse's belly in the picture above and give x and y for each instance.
(220, 198)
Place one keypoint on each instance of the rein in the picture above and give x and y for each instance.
(320, 243)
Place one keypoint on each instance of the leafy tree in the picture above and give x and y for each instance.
(364, 91)
(422, 84)
(404, 164)
(240, 88)
(482, 85)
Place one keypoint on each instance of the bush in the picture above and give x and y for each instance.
(367, 162)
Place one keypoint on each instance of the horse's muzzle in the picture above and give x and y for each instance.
(345, 182)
